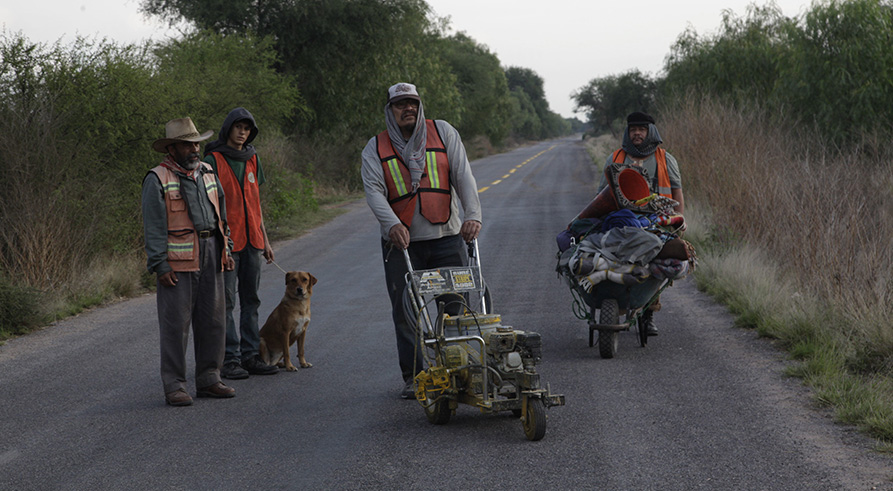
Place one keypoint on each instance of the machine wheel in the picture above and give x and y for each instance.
(608, 340)
(477, 299)
(438, 411)
(535, 424)
(488, 299)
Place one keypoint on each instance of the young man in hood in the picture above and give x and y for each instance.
(238, 167)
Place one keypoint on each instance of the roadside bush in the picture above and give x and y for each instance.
(291, 196)
(19, 308)
(78, 121)
(45, 228)
(288, 194)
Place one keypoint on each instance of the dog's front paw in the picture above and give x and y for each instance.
(306, 364)
(291, 368)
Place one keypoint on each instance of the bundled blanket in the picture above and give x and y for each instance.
(628, 248)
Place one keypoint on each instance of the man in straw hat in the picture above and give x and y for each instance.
(415, 173)
(640, 147)
(187, 245)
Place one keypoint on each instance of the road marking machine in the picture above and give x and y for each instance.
(472, 358)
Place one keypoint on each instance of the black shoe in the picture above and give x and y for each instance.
(233, 371)
(408, 390)
(256, 366)
(650, 328)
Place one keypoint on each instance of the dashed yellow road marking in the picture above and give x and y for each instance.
(522, 164)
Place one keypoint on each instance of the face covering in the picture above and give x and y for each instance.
(412, 151)
(646, 148)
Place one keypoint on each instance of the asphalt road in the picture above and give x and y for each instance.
(704, 406)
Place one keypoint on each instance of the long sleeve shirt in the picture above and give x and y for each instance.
(463, 188)
(201, 212)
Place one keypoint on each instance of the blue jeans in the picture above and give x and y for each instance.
(425, 254)
(244, 343)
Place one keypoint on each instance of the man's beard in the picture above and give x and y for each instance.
(189, 162)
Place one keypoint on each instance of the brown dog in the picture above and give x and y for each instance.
(288, 322)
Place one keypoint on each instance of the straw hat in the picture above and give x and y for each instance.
(179, 130)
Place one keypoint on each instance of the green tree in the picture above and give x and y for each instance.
(483, 87)
(344, 53)
(607, 100)
(526, 81)
(740, 63)
(205, 75)
(525, 122)
(832, 69)
(839, 70)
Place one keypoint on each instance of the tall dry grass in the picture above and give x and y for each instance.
(43, 236)
(821, 216)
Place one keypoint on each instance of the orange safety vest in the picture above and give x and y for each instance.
(433, 194)
(243, 212)
(663, 177)
(182, 240)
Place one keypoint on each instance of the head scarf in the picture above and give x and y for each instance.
(648, 146)
(412, 151)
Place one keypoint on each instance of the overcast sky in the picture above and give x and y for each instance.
(566, 42)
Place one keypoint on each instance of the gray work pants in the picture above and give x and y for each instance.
(197, 299)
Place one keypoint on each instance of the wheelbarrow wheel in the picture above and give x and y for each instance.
(608, 339)
(437, 410)
(535, 424)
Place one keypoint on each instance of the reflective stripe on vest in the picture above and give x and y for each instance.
(433, 194)
(182, 239)
(663, 176)
(243, 213)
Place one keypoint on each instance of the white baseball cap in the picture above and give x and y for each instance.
(402, 90)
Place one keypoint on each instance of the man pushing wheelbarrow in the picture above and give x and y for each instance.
(624, 248)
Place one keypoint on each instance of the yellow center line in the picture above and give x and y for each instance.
(481, 190)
